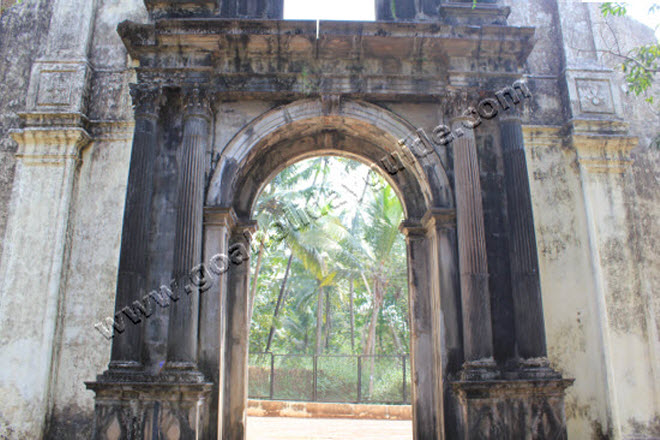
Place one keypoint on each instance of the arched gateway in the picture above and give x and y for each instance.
(183, 373)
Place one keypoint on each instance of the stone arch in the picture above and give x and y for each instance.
(368, 133)
(306, 128)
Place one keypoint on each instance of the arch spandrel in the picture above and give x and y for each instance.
(355, 129)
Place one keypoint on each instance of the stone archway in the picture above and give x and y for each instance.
(367, 133)
(164, 378)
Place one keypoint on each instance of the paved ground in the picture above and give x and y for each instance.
(288, 428)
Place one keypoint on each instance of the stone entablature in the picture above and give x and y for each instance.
(289, 58)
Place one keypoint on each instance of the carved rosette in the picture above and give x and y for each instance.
(196, 102)
(147, 100)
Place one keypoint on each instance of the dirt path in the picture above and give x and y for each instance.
(287, 428)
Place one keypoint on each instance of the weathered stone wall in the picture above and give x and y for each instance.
(97, 215)
(594, 229)
(23, 32)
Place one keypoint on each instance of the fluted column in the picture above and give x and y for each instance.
(133, 260)
(183, 324)
(525, 282)
(237, 328)
(473, 264)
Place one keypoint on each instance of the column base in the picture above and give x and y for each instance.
(522, 408)
(479, 370)
(149, 407)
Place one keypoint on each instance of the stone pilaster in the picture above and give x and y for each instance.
(426, 357)
(218, 223)
(525, 281)
(440, 225)
(473, 263)
(134, 258)
(33, 264)
(183, 324)
(237, 330)
(624, 310)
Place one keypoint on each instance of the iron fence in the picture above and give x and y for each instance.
(382, 379)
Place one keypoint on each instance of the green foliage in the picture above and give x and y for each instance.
(613, 8)
(641, 67)
(4, 4)
(337, 229)
(641, 64)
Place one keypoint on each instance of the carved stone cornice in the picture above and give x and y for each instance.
(413, 63)
(443, 218)
(604, 154)
(245, 228)
(413, 229)
(50, 146)
(111, 131)
(596, 152)
(215, 216)
(147, 100)
(196, 102)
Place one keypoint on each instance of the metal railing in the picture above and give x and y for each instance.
(382, 379)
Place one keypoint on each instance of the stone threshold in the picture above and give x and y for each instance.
(318, 410)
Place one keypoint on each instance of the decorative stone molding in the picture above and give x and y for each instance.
(149, 411)
(112, 131)
(50, 147)
(147, 100)
(592, 94)
(365, 69)
(478, 14)
(196, 102)
(442, 218)
(220, 217)
(534, 408)
(180, 8)
(596, 153)
(413, 229)
(604, 154)
(58, 86)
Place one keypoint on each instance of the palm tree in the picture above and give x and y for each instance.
(380, 238)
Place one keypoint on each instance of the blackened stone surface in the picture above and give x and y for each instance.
(149, 411)
(495, 220)
(519, 409)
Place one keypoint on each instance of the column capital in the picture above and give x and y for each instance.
(511, 115)
(196, 102)
(604, 154)
(245, 227)
(38, 146)
(220, 217)
(413, 229)
(147, 100)
(443, 218)
(456, 103)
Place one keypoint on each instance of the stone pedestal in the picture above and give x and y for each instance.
(512, 409)
(151, 410)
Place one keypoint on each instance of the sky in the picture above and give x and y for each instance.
(639, 10)
(364, 10)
